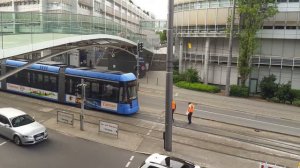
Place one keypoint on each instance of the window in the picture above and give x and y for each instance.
(110, 92)
(71, 85)
(4, 120)
(291, 27)
(279, 27)
(21, 120)
(267, 27)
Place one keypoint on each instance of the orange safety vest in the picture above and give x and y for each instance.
(173, 105)
(191, 108)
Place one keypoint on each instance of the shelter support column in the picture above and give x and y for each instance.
(207, 46)
(180, 54)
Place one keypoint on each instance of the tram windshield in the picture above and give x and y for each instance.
(128, 92)
(132, 91)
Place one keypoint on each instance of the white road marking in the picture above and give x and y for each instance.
(2, 143)
(128, 163)
(149, 132)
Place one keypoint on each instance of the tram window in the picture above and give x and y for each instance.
(71, 85)
(22, 78)
(47, 83)
(53, 83)
(33, 80)
(132, 90)
(12, 78)
(95, 90)
(110, 92)
(28, 78)
(39, 82)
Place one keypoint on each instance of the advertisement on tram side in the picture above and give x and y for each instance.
(32, 91)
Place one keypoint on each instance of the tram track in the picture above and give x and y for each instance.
(285, 147)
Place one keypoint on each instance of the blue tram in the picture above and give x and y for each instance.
(109, 91)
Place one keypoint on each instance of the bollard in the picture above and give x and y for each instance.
(147, 79)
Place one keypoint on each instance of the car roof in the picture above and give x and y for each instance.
(11, 112)
(156, 158)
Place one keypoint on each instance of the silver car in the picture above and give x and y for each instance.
(18, 126)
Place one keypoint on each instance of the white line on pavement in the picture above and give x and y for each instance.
(2, 143)
(131, 158)
(128, 163)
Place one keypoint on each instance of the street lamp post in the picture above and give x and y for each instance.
(82, 85)
(227, 89)
(169, 81)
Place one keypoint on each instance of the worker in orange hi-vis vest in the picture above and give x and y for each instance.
(173, 109)
(190, 112)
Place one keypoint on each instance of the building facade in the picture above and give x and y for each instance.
(202, 42)
(120, 11)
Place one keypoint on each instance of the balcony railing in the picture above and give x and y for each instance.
(257, 60)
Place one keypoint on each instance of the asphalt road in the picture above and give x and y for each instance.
(62, 151)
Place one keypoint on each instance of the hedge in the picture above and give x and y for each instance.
(198, 87)
(239, 91)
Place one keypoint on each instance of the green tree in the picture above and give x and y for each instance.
(252, 14)
(163, 36)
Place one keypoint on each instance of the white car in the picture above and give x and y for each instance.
(18, 126)
(162, 161)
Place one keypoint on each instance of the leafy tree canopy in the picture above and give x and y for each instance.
(252, 15)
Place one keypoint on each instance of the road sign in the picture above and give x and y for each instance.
(109, 128)
(268, 165)
(65, 117)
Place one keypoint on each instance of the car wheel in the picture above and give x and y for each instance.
(17, 140)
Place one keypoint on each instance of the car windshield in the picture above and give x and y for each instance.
(178, 163)
(21, 120)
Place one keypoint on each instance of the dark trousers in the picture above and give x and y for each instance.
(190, 117)
(173, 114)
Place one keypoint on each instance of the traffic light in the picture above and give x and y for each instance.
(140, 47)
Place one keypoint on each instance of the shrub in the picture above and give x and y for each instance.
(198, 87)
(297, 102)
(239, 91)
(297, 93)
(190, 75)
(285, 93)
(268, 87)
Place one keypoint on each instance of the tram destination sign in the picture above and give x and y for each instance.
(109, 128)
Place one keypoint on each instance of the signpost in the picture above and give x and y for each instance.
(109, 128)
